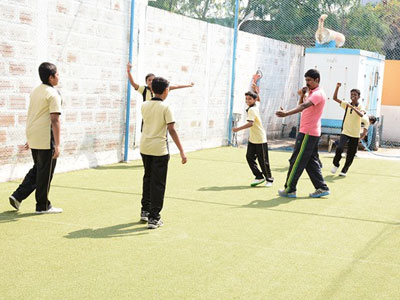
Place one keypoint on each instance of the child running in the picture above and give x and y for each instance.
(257, 147)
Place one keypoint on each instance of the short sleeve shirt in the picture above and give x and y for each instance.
(310, 122)
(257, 132)
(364, 122)
(156, 116)
(351, 120)
(149, 94)
(44, 100)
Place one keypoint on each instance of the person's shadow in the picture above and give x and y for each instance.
(121, 230)
(13, 216)
(271, 203)
(332, 178)
(227, 188)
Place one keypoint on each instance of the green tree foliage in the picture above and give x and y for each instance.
(389, 13)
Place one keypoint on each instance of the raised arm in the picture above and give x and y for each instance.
(302, 92)
(176, 87)
(133, 83)
(338, 85)
(175, 138)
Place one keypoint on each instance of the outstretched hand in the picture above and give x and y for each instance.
(281, 113)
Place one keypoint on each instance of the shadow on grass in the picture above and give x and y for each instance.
(333, 178)
(280, 169)
(271, 203)
(218, 160)
(121, 230)
(228, 188)
(119, 167)
(260, 204)
(13, 215)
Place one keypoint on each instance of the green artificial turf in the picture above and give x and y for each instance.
(222, 239)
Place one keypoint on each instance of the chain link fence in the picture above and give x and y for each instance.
(371, 25)
(368, 25)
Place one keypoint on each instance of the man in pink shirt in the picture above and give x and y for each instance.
(305, 153)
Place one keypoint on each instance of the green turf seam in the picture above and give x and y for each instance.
(296, 163)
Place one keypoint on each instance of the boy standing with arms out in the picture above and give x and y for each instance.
(257, 146)
(43, 135)
(351, 129)
(305, 153)
(157, 119)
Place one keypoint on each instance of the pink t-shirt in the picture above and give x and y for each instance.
(310, 121)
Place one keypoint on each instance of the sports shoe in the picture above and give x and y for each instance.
(334, 169)
(268, 184)
(51, 210)
(319, 193)
(144, 216)
(153, 223)
(257, 182)
(342, 174)
(283, 193)
(14, 202)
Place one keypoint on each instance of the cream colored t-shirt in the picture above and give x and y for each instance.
(364, 123)
(149, 94)
(257, 132)
(156, 116)
(352, 121)
(44, 100)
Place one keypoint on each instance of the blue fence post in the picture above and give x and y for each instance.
(235, 35)
(128, 94)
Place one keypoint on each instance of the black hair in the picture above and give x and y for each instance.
(46, 70)
(251, 94)
(149, 75)
(313, 73)
(357, 91)
(159, 85)
(372, 119)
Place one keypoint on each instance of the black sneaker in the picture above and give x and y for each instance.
(14, 202)
(153, 223)
(144, 216)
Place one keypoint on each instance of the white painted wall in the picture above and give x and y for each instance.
(88, 41)
(391, 121)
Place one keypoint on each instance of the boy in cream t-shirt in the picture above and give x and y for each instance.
(43, 135)
(351, 129)
(257, 147)
(157, 120)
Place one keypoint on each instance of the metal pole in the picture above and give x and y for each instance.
(128, 94)
(235, 35)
